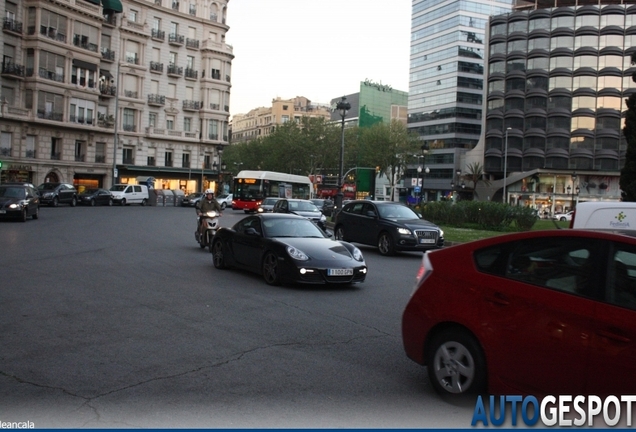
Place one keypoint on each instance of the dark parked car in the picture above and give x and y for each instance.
(19, 202)
(541, 313)
(287, 248)
(95, 196)
(389, 225)
(54, 194)
(304, 208)
(267, 205)
(324, 205)
(192, 199)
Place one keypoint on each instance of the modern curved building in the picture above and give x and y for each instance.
(558, 76)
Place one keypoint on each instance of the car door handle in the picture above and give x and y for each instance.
(498, 299)
(614, 336)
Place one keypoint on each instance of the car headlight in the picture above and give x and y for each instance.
(441, 233)
(404, 231)
(48, 195)
(15, 206)
(260, 210)
(296, 254)
(357, 254)
(323, 218)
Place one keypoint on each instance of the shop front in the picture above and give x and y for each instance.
(17, 173)
(188, 181)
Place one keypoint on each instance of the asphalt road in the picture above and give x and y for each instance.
(113, 317)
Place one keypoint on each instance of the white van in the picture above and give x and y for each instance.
(605, 215)
(124, 194)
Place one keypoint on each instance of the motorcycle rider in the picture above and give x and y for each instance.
(206, 204)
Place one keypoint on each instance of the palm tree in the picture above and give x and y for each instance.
(475, 174)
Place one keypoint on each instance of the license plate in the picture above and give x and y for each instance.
(340, 272)
(425, 241)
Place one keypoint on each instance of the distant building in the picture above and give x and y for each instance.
(260, 122)
(102, 91)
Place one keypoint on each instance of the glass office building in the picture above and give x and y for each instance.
(446, 84)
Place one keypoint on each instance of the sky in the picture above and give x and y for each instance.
(319, 49)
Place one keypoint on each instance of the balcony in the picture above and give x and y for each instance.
(191, 74)
(81, 42)
(176, 39)
(214, 17)
(158, 2)
(56, 156)
(12, 70)
(151, 161)
(55, 116)
(189, 105)
(174, 70)
(49, 32)
(107, 90)
(5, 151)
(185, 164)
(80, 158)
(131, 94)
(193, 10)
(100, 159)
(43, 73)
(12, 26)
(215, 106)
(192, 43)
(213, 136)
(128, 161)
(108, 55)
(80, 119)
(156, 67)
(155, 99)
(110, 19)
(133, 59)
(168, 163)
(129, 128)
(157, 34)
(30, 154)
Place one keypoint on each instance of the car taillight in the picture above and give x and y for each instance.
(425, 270)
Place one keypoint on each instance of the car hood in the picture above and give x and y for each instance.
(308, 214)
(414, 223)
(318, 249)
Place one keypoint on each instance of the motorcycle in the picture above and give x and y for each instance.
(211, 224)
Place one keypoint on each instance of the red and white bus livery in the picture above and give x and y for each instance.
(251, 187)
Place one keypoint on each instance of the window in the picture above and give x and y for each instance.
(132, 52)
(285, 119)
(133, 15)
(5, 143)
(53, 25)
(213, 129)
(85, 36)
(168, 158)
(50, 106)
(56, 146)
(83, 77)
(129, 120)
(52, 66)
(170, 122)
(185, 160)
(82, 111)
(152, 119)
(8, 95)
(79, 151)
(127, 156)
(187, 124)
(100, 152)
(156, 23)
(30, 146)
(190, 62)
(621, 290)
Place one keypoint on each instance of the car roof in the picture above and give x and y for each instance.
(278, 216)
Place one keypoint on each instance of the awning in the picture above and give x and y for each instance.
(105, 73)
(85, 65)
(113, 5)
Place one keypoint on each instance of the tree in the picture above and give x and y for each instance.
(389, 147)
(628, 173)
(475, 174)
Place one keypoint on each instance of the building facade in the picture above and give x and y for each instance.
(558, 78)
(99, 93)
(446, 84)
(262, 121)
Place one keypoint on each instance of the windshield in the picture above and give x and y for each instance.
(396, 212)
(270, 201)
(302, 206)
(47, 186)
(291, 228)
(118, 188)
(90, 191)
(10, 192)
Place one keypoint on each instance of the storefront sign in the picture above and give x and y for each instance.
(14, 167)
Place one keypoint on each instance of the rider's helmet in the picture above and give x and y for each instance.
(209, 192)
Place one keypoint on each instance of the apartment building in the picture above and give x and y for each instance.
(95, 93)
(558, 75)
(262, 121)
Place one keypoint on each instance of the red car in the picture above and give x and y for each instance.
(542, 312)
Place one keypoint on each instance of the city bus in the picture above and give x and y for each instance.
(251, 187)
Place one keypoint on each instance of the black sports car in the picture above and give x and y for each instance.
(287, 248)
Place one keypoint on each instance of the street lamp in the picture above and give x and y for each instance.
(574, 189)
(343, 106)
(426, 171)
(505, 165)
